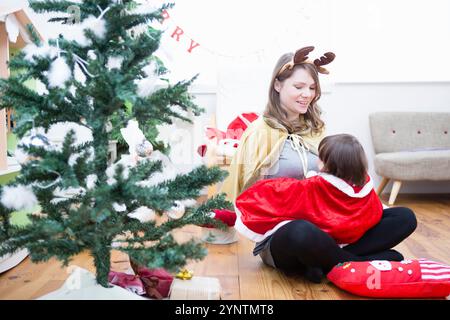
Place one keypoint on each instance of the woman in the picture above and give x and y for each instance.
(284, 143)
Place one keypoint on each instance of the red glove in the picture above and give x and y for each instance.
(226, 216)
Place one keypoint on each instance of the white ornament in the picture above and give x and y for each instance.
(177, 211)
(144, 149)
(18, 198)
(59, 73)
(143, 214)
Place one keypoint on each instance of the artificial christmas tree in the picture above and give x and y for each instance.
(89, 75)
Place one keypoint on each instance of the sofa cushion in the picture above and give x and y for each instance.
(405, 131)
(414, 165)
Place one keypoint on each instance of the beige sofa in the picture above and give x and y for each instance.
(410, 146)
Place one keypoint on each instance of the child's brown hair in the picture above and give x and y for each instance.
(344, 157)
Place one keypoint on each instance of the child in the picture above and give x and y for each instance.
(340, 200)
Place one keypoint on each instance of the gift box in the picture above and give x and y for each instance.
(129, 282)
(197, 288)
(156, 282)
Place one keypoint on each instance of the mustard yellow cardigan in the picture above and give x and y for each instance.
(258, 151)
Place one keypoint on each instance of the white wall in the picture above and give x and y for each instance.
(384, 40)
(391, 56)
(348, 105)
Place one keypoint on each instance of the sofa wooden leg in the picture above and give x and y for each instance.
(394, 192)
(382, 185)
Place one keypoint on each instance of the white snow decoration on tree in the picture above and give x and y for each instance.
(77, 32)
(168, 172)
(19, 198)
(73, 90)
(114, 63)
(143, 214)
(59, 73)
(91, 55)
(32, 139)
(119, 207)
(150, 69)
(32, 51)
(111, 170)
(67, 193)
(74, 156)
(147, 85)
(146, 6)
(41, 89)
(91, 180)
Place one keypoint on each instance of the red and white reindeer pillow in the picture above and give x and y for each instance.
(420, 278)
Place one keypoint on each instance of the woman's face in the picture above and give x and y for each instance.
(296, 92)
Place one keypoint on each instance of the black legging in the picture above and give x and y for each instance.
(299, 245)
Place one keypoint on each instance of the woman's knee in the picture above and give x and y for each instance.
(407, 219)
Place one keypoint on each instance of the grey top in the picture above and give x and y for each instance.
(289, 165)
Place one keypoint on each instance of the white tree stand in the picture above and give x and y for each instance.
(81, 285)
(217, 236)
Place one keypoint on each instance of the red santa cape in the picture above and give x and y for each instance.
(334, 206)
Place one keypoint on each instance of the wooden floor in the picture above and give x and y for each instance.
(243, 276)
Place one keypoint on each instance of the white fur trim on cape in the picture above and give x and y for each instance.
(346, 188)
(239, 226)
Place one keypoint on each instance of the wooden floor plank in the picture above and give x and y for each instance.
(243, 276)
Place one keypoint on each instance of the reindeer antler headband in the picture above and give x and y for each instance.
(301, 56)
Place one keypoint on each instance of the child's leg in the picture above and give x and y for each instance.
(396, 225)
(299, 246)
